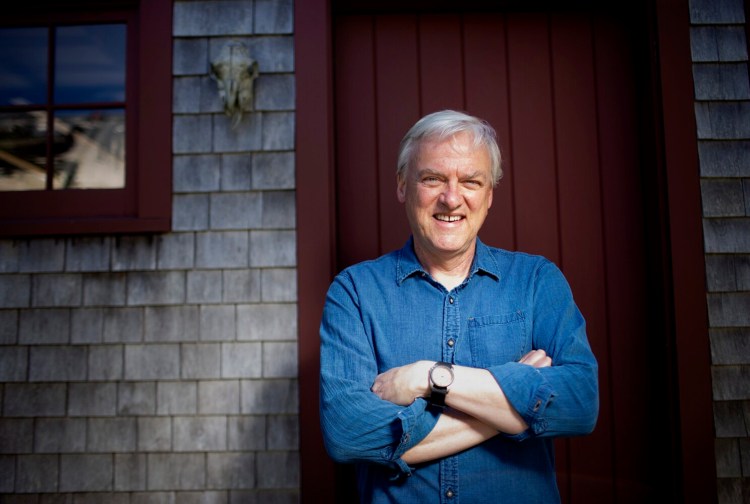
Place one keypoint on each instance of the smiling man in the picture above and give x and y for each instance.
(448, 367)
(447, 196)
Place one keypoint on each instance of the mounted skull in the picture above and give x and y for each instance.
(235, 71)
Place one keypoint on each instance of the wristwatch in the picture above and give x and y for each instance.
(441, 376)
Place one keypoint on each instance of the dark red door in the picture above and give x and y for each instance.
(562, 92)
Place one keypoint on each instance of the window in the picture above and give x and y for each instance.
(63, 125)
(85, 118)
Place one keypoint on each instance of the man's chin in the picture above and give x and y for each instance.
(450, 248)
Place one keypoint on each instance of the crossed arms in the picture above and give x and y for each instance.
(370, 415)
(477, 407)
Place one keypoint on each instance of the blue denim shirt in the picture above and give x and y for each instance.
(389, 312)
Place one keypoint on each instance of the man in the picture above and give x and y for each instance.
(447, 367)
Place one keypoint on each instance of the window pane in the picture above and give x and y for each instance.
(90, 64)
(23, 66)
(89, 149)
(23, 151)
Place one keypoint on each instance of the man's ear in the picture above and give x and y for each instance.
(400, 189)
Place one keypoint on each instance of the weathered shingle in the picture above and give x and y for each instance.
(718, 43)
(725, 81)
(723, 120)
(727, 235)
(724, 158)
(202, 18)
(716, 11)
(730, 346)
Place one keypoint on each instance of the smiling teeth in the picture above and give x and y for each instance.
(448, 218)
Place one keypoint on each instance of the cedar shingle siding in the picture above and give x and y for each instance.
(722, 111)
(163, 368)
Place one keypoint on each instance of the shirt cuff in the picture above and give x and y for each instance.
(417, 420)
(528, 392)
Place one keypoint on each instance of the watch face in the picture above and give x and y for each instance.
(442, 376)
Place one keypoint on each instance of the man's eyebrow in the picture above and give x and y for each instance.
(475, 174)
(427, 171)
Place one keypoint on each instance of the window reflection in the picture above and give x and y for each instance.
(23, 66)
(90, 64)
(23, 151)
(90, 149)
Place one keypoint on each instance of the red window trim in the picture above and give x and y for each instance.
(145, 204)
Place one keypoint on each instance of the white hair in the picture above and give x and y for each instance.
(446, 124)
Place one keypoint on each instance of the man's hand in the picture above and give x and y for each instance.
(537, 359)
(402, 385)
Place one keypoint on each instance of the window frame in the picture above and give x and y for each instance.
(145, 204)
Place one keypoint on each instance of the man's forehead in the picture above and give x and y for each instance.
(462, 143)
(463, 140)
(462, 146)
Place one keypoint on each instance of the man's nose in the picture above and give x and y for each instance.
(451, 197)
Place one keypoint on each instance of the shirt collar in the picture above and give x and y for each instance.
(407, 263)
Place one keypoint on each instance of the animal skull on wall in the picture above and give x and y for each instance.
(235, 71)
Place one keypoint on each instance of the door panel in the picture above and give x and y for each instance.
(580, 231)
(355, 186)
(560, 90)
(397, 84)
(532, 135)
(641, 443)
(486, 81)
(440, 58)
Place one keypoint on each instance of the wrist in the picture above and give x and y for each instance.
(441, 377)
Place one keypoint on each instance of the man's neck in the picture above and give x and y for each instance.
(451, 271)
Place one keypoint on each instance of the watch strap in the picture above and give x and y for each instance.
(437, 396)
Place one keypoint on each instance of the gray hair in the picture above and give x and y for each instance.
(443, 125)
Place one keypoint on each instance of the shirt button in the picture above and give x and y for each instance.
(449, 493)
(451, 342)
(450, 300)
(538, 405)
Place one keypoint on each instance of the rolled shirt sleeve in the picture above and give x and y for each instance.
(357, 425)
(561, 400)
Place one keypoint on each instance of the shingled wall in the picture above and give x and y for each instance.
(163, 368)
(722, 110)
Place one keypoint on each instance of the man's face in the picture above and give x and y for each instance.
(448, 192)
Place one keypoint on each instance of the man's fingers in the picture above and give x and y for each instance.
(536, 358)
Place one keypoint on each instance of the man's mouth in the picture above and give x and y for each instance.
(448, 218)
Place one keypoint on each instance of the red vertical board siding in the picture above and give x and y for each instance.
(397, 64)
(532, 124)
(516, 96)
(486, 85)
(629, 333)
(687, 260)
(581, 231)
(440, 63)
(358, 191)
(561, 96)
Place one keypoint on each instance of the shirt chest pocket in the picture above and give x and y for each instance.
(497, 339)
